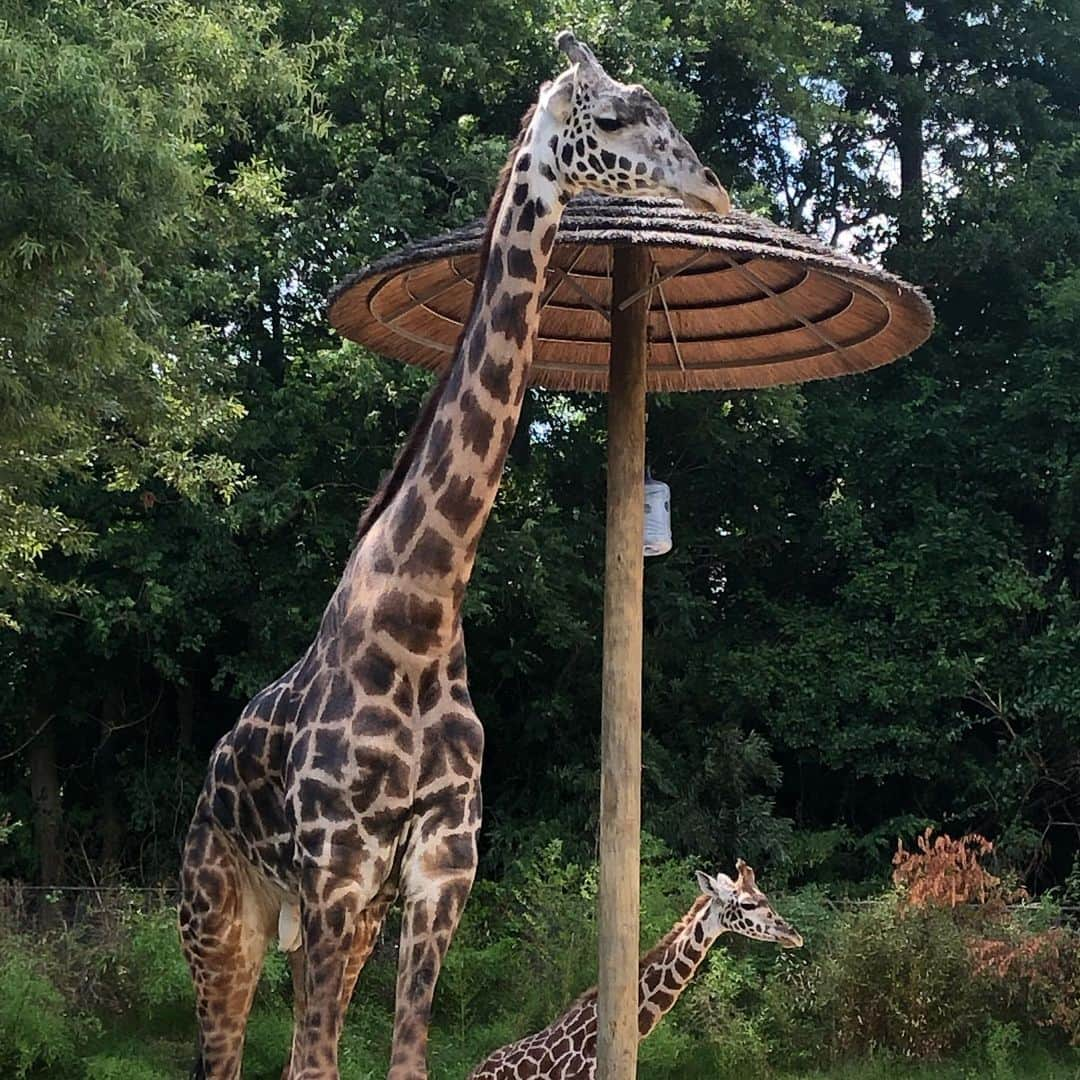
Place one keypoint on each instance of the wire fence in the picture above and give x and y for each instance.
(32, 907)
(29, 907)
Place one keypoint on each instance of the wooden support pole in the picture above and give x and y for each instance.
(620, 739)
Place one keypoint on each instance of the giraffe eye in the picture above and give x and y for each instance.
(609, 123)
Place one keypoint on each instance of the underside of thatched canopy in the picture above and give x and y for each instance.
(736, 302)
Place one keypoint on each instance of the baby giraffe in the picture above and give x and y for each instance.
(566, 1048)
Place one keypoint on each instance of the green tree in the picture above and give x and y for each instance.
(126, 185)
(868, 618)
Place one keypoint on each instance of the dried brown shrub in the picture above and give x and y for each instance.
(1037, 971)
(947, 872)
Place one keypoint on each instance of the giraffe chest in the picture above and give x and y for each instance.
(331, 762)
(244, 792)
(354, 807)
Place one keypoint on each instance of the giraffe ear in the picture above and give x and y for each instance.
(558, 97)
(724, 885)
(587, 69)
(719, 887)
(705, 883)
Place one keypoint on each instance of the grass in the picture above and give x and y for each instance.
(1031, 1061)
(114, 1001)
(119, 1054)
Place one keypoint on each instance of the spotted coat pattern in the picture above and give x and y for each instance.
(566, 1048)
(353, 781)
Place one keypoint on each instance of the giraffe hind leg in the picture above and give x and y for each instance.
(438, 877)
(225, 926)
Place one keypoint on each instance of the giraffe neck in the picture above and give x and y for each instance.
(668, 969)
(427, 535)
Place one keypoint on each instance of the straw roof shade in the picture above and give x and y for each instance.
(736, 302)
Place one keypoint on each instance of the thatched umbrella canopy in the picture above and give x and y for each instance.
(736, 301)
(644, 294)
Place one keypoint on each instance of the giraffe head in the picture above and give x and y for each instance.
(738, 906)
(619, 140)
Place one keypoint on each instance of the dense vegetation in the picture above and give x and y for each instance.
(878, 993)
(870, 621)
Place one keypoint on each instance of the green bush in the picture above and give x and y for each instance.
(38, 1029)
(125, 1066)
(152, 968)
(877, 993)
(670, 1051)
(269, 1035)
(722, 1009)
(275, 984)
(888, 978)
(1001, 1042)
(551, 921)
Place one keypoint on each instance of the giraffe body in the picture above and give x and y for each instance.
(353, 780)
(566, 1048)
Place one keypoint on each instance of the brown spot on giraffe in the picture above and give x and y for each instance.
(477, 425)
(410, 620)
(433, 555)
(493, 276)
(458, 505)
(438, 452)
(495, 379)
(403, 696)
(508, 315)
(527, 220)
(374, 671)
(520, 264)
(408, 519)
(429, 693)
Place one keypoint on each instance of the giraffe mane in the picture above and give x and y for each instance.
(656, 951)
(391, 482)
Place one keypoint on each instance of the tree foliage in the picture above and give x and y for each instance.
(869, 620)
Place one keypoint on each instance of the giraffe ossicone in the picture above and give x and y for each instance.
(566, 1048)
(353, 780)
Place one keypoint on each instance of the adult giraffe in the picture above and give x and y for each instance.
(355, 777)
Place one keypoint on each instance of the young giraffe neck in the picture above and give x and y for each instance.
(428, 533)
(669, 968)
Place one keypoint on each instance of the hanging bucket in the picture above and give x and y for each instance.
(657, 517)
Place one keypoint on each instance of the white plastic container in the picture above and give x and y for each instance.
(657, 517)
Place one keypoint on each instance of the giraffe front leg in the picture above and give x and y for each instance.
(368, 925)
(338, 931)
(297, 968)
(438, 876)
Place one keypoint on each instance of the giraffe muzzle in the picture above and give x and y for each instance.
(703, 191)
(789, 938)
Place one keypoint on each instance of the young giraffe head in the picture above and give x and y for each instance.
(740, 907)
(619, 140)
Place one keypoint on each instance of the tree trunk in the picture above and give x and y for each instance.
(910, 112)
(112, 826)
(185, 713)
(48, 813)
